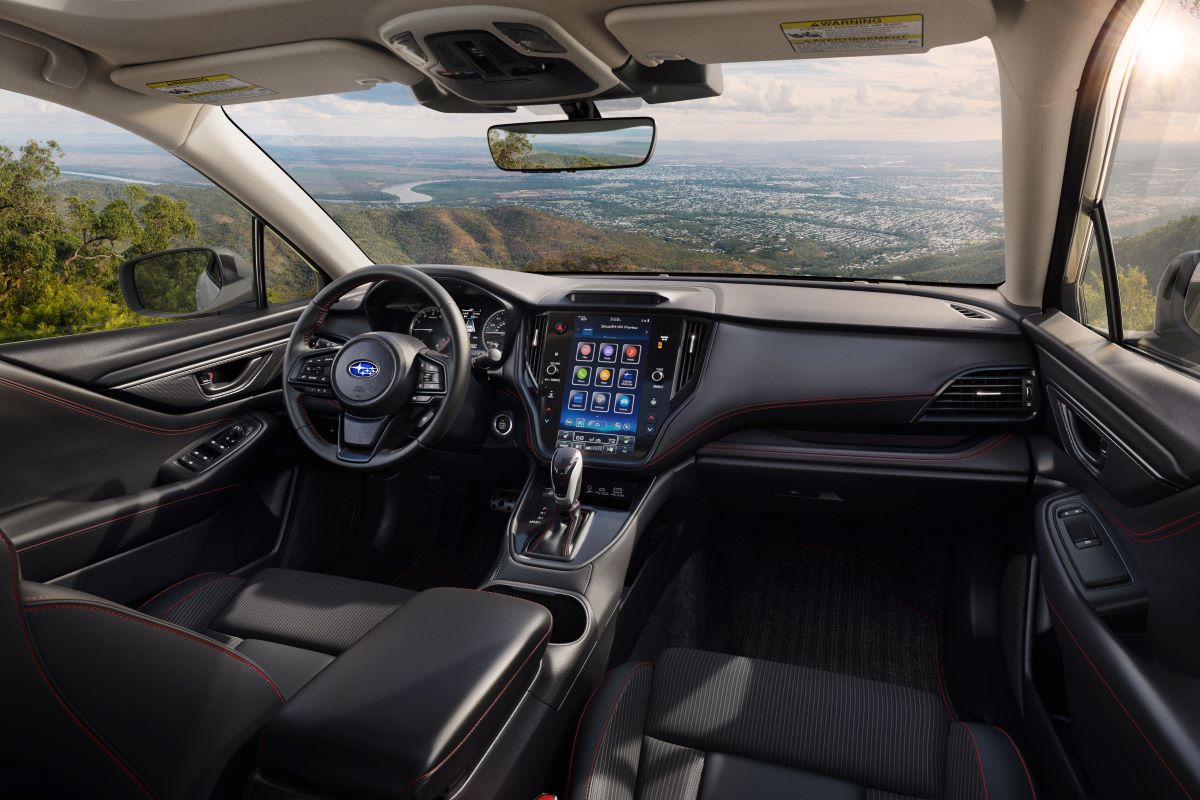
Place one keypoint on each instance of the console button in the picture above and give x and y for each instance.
(552, 370)
(657, 375)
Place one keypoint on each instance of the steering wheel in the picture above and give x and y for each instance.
(397, 396)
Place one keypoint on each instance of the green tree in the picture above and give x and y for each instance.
(59, 255)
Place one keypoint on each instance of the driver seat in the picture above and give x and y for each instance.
(100, 700)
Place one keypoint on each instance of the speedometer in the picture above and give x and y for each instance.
(427, 326)
(495, 330)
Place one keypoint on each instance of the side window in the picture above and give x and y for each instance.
(289, 276)
(1093, 304)
(1152, 200)
(77, 198)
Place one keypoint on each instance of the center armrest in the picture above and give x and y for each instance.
(415, 703)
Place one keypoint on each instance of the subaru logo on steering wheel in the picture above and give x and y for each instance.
(363, 369)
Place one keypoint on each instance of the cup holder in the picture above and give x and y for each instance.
(569, 612)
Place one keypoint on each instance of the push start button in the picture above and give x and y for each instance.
(503, 424)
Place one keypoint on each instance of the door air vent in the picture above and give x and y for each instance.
(533, 346)
(694, 334)
(983, 393)
(970, 312)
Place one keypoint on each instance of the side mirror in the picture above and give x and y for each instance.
(189, 282)
(1177, 301)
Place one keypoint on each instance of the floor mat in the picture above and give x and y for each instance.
(835, 610)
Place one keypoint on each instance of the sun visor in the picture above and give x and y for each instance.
(728, 31)
(300, 69)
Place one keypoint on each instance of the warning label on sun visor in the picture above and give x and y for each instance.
(214, 89)
(903, 32)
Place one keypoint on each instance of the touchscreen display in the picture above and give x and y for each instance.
(606, 380)
(605, 375)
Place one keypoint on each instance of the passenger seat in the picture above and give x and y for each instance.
(700, 726)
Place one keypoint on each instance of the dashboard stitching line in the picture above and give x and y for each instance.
(786, 404)
(979, 450)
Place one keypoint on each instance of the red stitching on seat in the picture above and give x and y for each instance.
(1021, 758)
(1121, 705)
(174, 585)
(978, 758)
(101, 524)
(604, 731)
(197, 639)
(105, 416)
(37, 663)
(167, 614)
(483, 716)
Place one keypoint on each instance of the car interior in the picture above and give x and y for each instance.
(605, 400)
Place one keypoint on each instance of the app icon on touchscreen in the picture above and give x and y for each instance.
(624, 404)
(604, 377)
(608, 352)
(585, 351)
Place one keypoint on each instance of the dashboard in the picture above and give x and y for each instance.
(642, 371)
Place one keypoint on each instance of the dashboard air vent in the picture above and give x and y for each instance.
(694, 333)
(970, 312)
(987, 393)
(533, 346)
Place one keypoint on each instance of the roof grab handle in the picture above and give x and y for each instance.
(65, 64)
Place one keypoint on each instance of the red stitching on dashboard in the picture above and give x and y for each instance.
(1067, 629)
(101, 524)
(105, 416)
(37, 663)
(830, 401)
(979, 450)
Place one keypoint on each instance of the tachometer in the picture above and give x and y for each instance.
(427, 326)
(494, 330)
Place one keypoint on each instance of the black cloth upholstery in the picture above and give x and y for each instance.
(700, 725)
(100, 700)
(307, 610)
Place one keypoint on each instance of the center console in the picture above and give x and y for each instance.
(606, 382)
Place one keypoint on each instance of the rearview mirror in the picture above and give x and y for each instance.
(189, 282)
(570, 145)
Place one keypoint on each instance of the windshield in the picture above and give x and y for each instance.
(885, 167)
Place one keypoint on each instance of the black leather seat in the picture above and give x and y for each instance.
(100, 700)
(699, 726)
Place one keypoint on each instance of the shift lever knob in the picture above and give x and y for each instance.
(566, 477)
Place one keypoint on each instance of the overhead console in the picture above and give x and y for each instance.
(481, 57)
(608, 381)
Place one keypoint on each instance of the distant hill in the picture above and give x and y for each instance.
(514, 237)
(1153, 250)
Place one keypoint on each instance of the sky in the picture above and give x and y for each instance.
(948, 94)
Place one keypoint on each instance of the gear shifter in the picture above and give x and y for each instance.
(557, 539)
(566, 478)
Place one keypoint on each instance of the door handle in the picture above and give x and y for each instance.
(229, 377)
(1088, 442)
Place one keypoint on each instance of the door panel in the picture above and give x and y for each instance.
(129, 458)
(1125, 442)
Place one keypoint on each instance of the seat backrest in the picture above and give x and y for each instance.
(97, 700)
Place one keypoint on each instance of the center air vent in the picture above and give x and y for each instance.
(986, 393)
